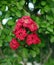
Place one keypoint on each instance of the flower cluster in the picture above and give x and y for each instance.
(14, 44)
(23, 26)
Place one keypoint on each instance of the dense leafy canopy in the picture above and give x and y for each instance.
(15, 9)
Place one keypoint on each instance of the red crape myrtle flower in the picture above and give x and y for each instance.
(29, 23)
(14, 44)
(26, 21)
(33, 27)
(33, 39)
(18, 25)
(23, 25)
(21, 34)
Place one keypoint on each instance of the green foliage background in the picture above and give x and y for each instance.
(17, 9)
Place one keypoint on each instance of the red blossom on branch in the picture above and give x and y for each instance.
(14, 44)
(32, 39)
(33, 27)
(21, 34)
(23, 25)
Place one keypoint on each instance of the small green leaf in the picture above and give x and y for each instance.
(49, 17)
(52, 39)
(50, 29)
(7, 15)
(24, 52)
(34, 1)
(3, 8)
(22, 2)
(18, 13)
(1, 43)
(3, 36)
(43, 3)
(52, 10)
(46, 8)
(6, 31)
(19, 6)
(19, 58)
(26, 13)
(53, 0)
(33, 53)
(8, 38)
(10, 22)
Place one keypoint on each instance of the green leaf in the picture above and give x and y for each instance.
(19, 6)
(43, 3)
(44, 24)
(8, 38)
(53, 0)
(33, 53)
(47, 32)
(49, 17)
(42, 11)
(6, 31)
(46, 8)
(52, 10)
(7, 14)
(36, 49)
(3, 8)
(1, 43)
(26, 13)
(34, 1)
(3, 36)
(42, 44)
(22, 2)
(10, 22)
(38, 20)
(24, 52)
(52, 39)
(19, 58)
(50, 29)
(18, 13)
